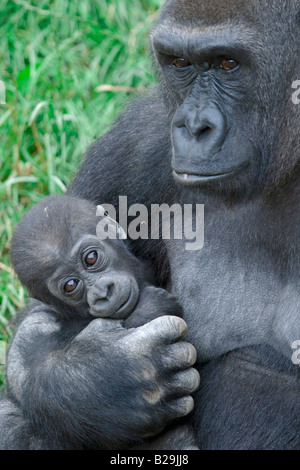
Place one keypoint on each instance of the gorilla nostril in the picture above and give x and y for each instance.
(205, 131)
(104, 292)
(199, 131)
(109, 291)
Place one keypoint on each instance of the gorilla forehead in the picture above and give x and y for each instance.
(207, 13)
(62, 222)
(48, 231)
(184, 26)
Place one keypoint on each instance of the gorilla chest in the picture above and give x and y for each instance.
(229, 301)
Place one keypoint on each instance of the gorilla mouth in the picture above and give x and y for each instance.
(130, 303)
(192, 179)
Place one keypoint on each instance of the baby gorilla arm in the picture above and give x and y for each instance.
(15, 430)
(154, 302)
(102, 387)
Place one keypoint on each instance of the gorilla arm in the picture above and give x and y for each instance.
(154, 302)
(15, 431)
(136, 145)
(101, 387)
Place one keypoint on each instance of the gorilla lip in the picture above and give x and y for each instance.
(129, 304)
(193, 178)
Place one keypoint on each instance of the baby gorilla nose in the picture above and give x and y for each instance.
(104, 290)
(113, 295)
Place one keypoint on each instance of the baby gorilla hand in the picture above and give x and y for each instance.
(142, 377)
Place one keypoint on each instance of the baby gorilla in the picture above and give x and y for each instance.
(59, 258)
(57, 255)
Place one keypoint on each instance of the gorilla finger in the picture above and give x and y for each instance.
(179, 355)
(180, 407)
(100, 325)
(185, 382)
(161, 330)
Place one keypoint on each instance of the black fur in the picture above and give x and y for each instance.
(241, 290)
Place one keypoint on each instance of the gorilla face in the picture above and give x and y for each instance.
(59, 258)
(218, 76)
(204, 127)
(88, 280)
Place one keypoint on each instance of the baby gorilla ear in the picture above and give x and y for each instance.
(108, 227)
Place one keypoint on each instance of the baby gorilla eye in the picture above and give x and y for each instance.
(91, 258)
(71, 285)
(229, 64)
(181, 62)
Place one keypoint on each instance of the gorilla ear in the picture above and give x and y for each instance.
(108, 227)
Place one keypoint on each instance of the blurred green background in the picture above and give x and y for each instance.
(54, 56)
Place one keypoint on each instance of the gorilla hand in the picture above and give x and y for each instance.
(106, 388)
(142, 378)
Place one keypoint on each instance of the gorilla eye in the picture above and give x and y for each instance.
(229, 64)
(91, 258)
(71, 285)
(180, 62)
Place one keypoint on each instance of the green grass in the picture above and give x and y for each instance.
(53, 56)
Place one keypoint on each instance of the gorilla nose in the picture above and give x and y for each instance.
(113, 295)
(204, 127)
(105, 290)
(199, 127)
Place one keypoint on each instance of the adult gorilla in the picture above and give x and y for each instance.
(221, 131)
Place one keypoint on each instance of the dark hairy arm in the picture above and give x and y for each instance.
(124, 161)
(102, 387)
(154, 302)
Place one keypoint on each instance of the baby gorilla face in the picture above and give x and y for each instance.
(93, 277)
(113, 295)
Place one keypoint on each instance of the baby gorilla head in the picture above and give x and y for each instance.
(57, 255)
